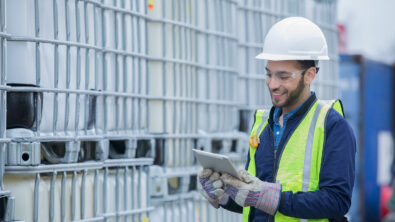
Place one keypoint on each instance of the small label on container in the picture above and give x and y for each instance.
(385, 144)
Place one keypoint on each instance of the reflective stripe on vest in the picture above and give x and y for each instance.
(299, 169)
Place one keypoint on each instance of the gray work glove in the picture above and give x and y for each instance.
(213, 189)
(251, 191)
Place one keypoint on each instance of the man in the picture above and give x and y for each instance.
(301, 160)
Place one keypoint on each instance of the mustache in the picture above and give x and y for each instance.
(278, 91)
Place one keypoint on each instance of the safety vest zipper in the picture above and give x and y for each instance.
(275, 156)
(275, 150)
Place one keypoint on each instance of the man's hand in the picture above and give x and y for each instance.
(213, 188)
(250, 191)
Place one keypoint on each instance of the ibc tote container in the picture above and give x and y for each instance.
(74, 79)
(89, 191)
(85, 67)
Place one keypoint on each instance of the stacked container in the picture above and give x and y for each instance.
(6, 199)
(77, 110)
(368, 94)
(192, 76)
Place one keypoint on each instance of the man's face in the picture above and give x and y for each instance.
(285, 82)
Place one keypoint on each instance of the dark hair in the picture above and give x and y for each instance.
(305, 64)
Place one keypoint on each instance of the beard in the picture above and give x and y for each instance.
(293, 96)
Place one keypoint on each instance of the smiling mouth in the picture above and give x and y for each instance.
(277, 94)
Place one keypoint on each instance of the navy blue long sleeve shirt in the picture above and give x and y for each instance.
(333, 198)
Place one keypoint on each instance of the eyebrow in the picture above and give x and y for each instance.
(279, 72)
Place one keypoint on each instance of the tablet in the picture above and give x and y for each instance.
(217, 162)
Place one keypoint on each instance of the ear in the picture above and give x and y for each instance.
(309, 75)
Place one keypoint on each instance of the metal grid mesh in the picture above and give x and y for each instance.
(91, 191)
(4, 194)
(86, 56)
(324, 15)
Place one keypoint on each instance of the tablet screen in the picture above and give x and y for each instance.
(216, 162)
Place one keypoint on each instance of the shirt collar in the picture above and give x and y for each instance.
(278, 111)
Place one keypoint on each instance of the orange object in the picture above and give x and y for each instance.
(151, 4)
(254, 141)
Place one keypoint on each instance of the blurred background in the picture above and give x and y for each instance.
(366, 80)
(102, 101)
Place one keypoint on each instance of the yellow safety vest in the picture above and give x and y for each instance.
(300, 163)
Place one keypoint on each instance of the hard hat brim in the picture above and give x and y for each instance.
(277, 57)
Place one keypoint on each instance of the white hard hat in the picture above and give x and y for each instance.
(294, 38)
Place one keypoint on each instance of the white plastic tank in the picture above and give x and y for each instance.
(22, 188)
(135, 199)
